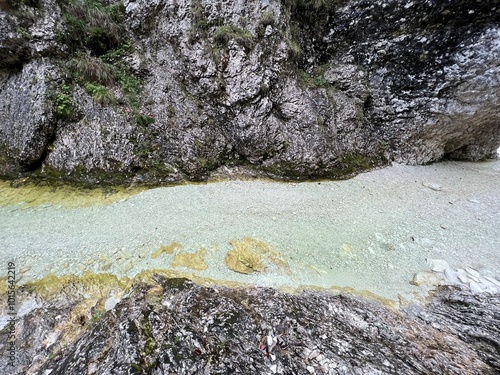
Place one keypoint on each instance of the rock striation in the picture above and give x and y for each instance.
(173, 90)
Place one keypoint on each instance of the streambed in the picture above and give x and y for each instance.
(373, 232)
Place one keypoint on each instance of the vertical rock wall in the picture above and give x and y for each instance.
(293, 89)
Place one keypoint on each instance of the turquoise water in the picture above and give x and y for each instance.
(373, 232)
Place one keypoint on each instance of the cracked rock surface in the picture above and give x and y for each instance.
(173, 326)
(285, 89)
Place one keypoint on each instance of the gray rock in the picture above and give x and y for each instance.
(26, 121)
(286, 89)
(174, 326)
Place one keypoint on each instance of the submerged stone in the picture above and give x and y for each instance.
(167, 249)
(194, 261)
(249, 255)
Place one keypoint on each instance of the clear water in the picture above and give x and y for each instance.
(373, 232)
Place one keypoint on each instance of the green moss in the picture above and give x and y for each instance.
(267, 19)
(223, 34)
(143, 120)
(94, 34)
(316, 79)
(171, 110)
(199, 24)
(84, 68)
(96, 315)
(63, 103)
(353, 162)
(294, 50)
(100, 93)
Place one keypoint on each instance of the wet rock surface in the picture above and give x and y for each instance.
(173, 326)
(292, 89)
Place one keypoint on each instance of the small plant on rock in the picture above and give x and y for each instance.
(63, 105)
(100, 93)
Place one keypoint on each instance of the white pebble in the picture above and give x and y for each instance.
(475, 288)
(493, 281)
(451, 276)
(472, 271)
(313, 354)
(463, 278)
(438, 265)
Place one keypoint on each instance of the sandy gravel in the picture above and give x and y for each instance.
(373, 232)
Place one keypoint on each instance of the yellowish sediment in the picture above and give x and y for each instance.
(89, 293)
(34, 194)
(167, 249)
(194, 261)
(249, 255)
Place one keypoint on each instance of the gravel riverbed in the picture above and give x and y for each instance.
(374, 232)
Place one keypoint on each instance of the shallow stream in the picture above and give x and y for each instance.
(373, 232)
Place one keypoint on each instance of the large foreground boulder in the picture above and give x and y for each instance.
(173, 326)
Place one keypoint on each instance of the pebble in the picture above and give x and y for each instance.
(451, 276)
(467, 277)
(311, 369)
(128, 267)
(472, 271)
(425, 278)
(433, 186)
(438, 265)
(106, 266)
(493, 281)
(475, 288)
(111, 303)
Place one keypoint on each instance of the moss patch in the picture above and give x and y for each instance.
(189, 260)
(249, 254)
(33, 193)
(167, 249)
(93, 284)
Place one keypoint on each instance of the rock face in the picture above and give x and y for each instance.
(172, 326)
(294, 89)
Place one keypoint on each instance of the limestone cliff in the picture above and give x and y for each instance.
(165, 90)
